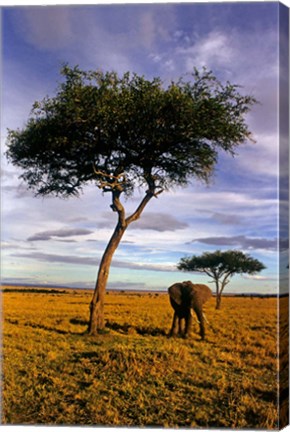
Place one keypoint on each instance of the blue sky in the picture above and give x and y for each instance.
(54, 241)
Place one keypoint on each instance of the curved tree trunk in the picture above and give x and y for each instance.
(96, 321)
(220, 289)
(218, 295)
(218, 301)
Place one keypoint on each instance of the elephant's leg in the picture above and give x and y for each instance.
(180, 329)
(181, 325)
(200, 318)
(188, 324)
(173, 330)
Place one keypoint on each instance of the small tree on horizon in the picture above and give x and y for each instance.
(127, 132)
(221, 266)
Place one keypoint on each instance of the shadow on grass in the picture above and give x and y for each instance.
(120, 328)
(130, 329)
(125, 328)
(86, 355)
(79, 321)
(140, 330)
(45, 327)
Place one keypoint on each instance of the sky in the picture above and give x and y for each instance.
(60, 242)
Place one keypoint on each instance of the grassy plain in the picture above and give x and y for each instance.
(133, 374)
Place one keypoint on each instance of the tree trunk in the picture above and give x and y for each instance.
(218, 301)
(220, 289)
(96, 321)
(218, 295)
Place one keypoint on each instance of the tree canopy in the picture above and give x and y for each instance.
(221, 266)
(123, 132)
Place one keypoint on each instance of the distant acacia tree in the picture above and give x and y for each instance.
(221, 266)
(126, 132)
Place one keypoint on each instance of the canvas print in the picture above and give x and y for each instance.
(144, 231)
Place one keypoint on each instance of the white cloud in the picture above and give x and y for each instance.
(212, 50)
(46, 28)
(148, 29)
(261, 158)
(260, 278)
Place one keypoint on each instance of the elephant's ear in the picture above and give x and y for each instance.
(175, 292)
(201, 293)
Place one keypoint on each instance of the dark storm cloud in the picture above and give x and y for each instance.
(227, 219)
(159, 222)
(53, 258)
(151, 221)
(69, 259)
(18, 191)
(244, 242)
(61, 233)
(18, 280)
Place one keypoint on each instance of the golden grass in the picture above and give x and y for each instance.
(133, 375)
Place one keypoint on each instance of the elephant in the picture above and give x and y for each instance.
(185, 296)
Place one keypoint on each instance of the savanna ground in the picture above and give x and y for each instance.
(133, 374)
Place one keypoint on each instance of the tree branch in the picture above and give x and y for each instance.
(137, 213)
(112, 181)
(151, 192)
(225, 281)
(212, 275)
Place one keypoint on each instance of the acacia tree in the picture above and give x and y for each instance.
(221, 266)
(126, 132)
